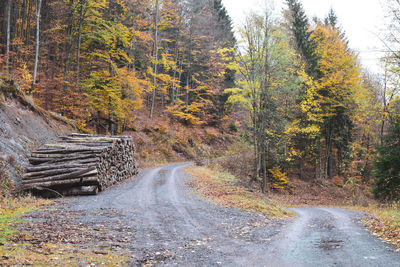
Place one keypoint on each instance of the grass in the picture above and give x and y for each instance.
(20, 249)
(11, 211)
(384, 221)
(224, 189)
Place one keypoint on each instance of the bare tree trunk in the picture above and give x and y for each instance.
(301, 167)
(264, 166)
(23, 19)
(256, 158)
(8, 34)
(177, 88)
(38, 6)
(28, 23)
(156, 60)
(328, 154)
(78, 52)
(175, 69)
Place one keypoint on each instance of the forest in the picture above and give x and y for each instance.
(305, 102)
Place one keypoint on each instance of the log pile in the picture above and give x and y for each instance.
(81, 164)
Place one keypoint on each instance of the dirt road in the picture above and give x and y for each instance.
(161, 221)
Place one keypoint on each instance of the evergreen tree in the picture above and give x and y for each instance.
(300, 28)
(331, 19)
(387, 164)
(224, 23)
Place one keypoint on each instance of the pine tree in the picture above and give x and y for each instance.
(331, 19)
(224, 23)
(300, 27)
(387, 164)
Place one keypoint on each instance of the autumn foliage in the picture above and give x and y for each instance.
(99, 62)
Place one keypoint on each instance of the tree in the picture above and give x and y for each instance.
(266, 78)
(340, 76)
(156, 58)
(331, 19)
(301, 30)
(38, 7)
(387, 164)
(8, 33)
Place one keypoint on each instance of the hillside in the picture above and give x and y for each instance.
(23, 127)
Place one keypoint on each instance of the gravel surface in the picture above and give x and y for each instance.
(166, 223)
(322, 236)
(162, 222)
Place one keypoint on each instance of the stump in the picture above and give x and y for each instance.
(81, 164)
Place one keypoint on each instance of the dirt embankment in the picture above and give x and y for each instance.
(22, 129)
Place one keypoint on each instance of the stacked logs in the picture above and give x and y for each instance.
(81, 164)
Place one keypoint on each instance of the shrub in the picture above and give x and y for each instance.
(161, 128)
(233, 127)
(353, 184)
(338, 181)
(279, 178)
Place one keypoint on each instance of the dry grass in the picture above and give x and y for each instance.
(384, 221)
(223, 189)
(16, 251)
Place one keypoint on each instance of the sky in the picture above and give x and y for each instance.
(362, 20)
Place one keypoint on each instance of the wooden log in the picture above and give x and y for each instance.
(58, 166)
(68, 150)
(74, 154)
(70, 182)
(44, 173)
(38, 161)
(72, 175)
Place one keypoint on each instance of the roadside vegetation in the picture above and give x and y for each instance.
(225, 189)
(383, 221)
(21, 247)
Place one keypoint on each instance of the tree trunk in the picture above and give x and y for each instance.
(153, 99)
(78, 52)
(23, 20)
(301, 167)
(264, 166)
(255, 141)
(38, 6)
(8, 34)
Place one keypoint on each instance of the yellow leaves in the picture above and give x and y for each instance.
(279, 178)
(24, 78)
(340, 73)
(295, 128)
(237, 96)
(188, 113)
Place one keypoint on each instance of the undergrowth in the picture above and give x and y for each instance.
(384, 221)
(224, 189)
(20, 249)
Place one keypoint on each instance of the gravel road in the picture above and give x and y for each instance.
(163, 222)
